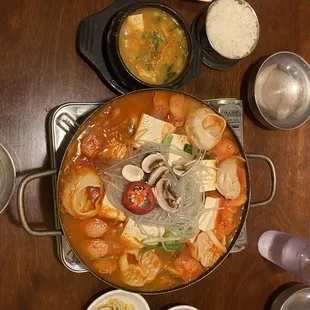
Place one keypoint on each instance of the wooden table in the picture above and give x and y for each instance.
(40, 69)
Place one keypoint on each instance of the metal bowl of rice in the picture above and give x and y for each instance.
(232, 29)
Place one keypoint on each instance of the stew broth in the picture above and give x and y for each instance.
(153, 46)
(98, 142)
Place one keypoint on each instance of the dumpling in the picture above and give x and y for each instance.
(207, 249)
(227, 181)
(80, 191)
(205, 128)
(138, 268)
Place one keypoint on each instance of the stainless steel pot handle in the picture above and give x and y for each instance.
(273, 179)
(21, 207)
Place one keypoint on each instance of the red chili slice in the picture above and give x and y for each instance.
(138, 198)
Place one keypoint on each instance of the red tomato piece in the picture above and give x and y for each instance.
(138, 198)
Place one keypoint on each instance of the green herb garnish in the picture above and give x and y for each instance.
(170, 77)
(170, 68)
(169, 246)
(188, 149)
(156, 43)
(168, 139)
(170, 74)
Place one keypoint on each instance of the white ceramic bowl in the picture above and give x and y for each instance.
(135, 300)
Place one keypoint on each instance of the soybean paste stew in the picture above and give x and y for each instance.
(152, 190)
(153, 46)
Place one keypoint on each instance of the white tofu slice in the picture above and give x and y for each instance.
(207, 173)
(136, 21)
(207, 220)
(148, 76)
(152, 129)
(134, 236)
(178, 141)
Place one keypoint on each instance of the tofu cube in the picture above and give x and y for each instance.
(178, 141)
(208, 220)
(133, 237)
(136, 21)
(152, 129)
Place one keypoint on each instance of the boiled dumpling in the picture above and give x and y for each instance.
(227, 181)
(207, 250)
(205, 128)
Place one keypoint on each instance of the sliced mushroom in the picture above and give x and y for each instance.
(181, 168)
(152, 161)
(132, 173)
(156, 174)
(166, 196)
(178, 171)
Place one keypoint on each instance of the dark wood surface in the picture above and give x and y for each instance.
(40, 69)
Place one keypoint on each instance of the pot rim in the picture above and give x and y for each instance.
(238, 230)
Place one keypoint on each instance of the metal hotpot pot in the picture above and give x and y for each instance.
(31, 177)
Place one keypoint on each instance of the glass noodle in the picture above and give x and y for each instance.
(179, 226)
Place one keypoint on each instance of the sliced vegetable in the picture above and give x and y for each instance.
(166, 196)
(161, 37)
(169, 68)
(170, 74)
(132, 173)
(156, 174)
(138, 198)
(168, 246)
(152, 161)
(168, 139)
(191, 150)
(170, 77)
(156, 43)
(188, 149)
(175, 235)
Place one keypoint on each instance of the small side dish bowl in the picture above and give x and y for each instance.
(135, 300)
(279, 91)
(118, 64)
